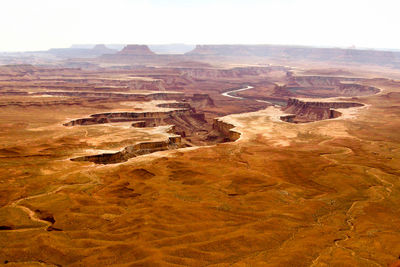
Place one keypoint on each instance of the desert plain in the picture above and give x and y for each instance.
(140, 159)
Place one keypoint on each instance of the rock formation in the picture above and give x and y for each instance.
(307, 111)
(71, 52)
(133, 151)
(154, 117)
(136, 50)
(327, 86)
(201, 101)
(226, 130)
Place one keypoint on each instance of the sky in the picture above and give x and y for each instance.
(29, 25)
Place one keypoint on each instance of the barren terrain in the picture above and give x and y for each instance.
(197, 164)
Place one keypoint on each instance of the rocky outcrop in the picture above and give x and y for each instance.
(186, 124)
(293, 102)
(327, 86)
(109, 117)
(280, 91)
(201, 101)
(307, 111)
(353, 89)
(133, 151)
(226, 130)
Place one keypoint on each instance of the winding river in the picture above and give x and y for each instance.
(248, 87)
(232, 92)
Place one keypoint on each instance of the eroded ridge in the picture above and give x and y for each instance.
(327, 86)
(302, 111)
(189, 128)
(173, 142)
(150, 118)
(128, 152)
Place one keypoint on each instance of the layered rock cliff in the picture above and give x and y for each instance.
(201, 101)
(327, 86)
(109, 117)
(133, 151)
(307, 111)
(226, 130)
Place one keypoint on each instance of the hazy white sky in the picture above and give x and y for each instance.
(42, 24)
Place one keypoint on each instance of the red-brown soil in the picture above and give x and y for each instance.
(324, 193)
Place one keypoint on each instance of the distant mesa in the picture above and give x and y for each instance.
(298, 53)
(167, 54)
(102, 48)
(137, 50)
(73, 52)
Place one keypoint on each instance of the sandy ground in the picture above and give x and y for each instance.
(324, 193)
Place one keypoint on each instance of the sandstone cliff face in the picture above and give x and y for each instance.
(354, 89)
(280, 91)
(226, 130)
(201, 101)
(293, 102)
(326, 86)
(133, 151)
(306, 111)
(109, 117)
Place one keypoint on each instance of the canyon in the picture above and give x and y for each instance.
(253, 155)
(308, 111)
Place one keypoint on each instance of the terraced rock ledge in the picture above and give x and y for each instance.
(133, 151)
(302, 111)
(189, 128)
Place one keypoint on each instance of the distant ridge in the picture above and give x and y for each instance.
(96, 51)
(136, 50)
(377, 57)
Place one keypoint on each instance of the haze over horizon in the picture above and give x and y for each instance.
(43, 24)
